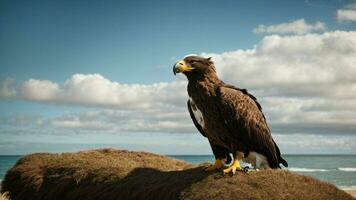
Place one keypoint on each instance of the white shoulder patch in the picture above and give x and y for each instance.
(197, 113)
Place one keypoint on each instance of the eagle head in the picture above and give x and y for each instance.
(194, 67)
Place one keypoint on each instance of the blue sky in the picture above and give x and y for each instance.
(131, 42)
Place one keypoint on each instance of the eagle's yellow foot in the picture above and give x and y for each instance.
(216, 165)
(235, 166)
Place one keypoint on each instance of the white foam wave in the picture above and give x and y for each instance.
(351, 187)
(296, 169)
(347, 169)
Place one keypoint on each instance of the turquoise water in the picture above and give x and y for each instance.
(337, 169)
(6, 162)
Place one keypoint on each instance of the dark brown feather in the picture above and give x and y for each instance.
(219, 151)
(246, 122)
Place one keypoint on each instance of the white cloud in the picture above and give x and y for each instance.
(172, 120)
(298, 26)
(40, 90)
(346, 15)
(95, 90)
(316, 144)
(157, 107)
(7, 88)
(312, 65)
(78, 124)
(306, 83)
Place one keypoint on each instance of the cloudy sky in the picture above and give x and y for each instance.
(90, 74)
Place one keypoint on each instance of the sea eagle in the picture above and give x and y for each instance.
(230, 117)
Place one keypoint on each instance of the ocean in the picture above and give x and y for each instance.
(337, 169)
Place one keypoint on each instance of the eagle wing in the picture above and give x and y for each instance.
(219, 152)
(246, 123)
(200, 129)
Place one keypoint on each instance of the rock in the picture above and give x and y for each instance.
(120, 174)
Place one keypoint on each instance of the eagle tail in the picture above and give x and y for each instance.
(280, 159)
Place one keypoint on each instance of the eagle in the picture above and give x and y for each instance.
(229, 117)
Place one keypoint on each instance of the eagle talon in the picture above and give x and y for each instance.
(233, 168)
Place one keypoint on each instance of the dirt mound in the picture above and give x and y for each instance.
(119, 174)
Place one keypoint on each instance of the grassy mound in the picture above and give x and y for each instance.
(116, 174)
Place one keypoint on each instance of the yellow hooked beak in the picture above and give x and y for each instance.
(181, 66)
